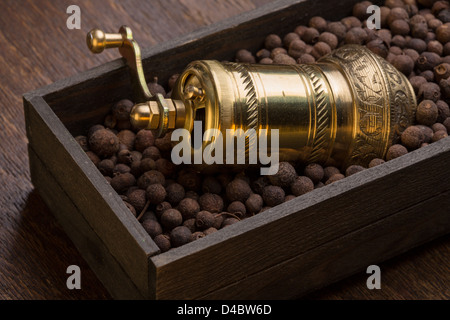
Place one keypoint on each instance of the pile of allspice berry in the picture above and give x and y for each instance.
(177, 205)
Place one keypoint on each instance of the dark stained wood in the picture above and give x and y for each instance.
(38, 50)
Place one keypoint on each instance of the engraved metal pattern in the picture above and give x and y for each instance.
(323, 114)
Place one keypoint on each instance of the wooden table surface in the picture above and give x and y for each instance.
(37, 49)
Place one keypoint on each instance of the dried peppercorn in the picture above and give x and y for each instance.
(429, 91)
(438, 127)
(318, 23)
(285, 176)
(273, 195)
(320, 49)
(428, 60)
(149, 178)
(356, 36)
(301, 185)
(104, 143)
(204, 220)
(272, 41)
(245, 56)
(443, 33)
(360, 10)
(378, 46)
(395, 151)
(209, 231)
(442, 71)
(211, 202)
(197, 235)
(314, 171)
(443, 111)
(171, 218)
(375, 162)
(137, 199)
(412, 137)
(254, 203)
(175, 193)
(160, 208)
(122, 182)
(211, 185)
(238, 190)
(229, 221)
(156, 193)
(237, 208)
(335, 177)
(404, 64)
(163, 242)
(152, 227)
(144, 139)
(439, 135)
(283, 59)
(351, 170)
(338, 29)
(106, 167)
(427, 133)
(188, 208)
(297, 48)
(156, 88)
(289, 38)
(180, 236)
(310, 35)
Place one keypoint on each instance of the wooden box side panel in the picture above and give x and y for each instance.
(342, 257)
(302, 224)
(90, 193)
(90, 245)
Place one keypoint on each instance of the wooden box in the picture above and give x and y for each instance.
(285, 252)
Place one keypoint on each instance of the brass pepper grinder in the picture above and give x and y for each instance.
(347, 108)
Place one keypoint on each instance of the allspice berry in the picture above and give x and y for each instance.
(397, 14)
(351, 22)
(147, 164)
(360, 10)
(416, 82)
(289, 38)
(351, 170)
(419, 26)
(412, 137)
(190, 224)
(320, 49)
(211, 202)
(315, 172)
(106, 167)
(209, 231)
(416, 44)
(229, 221)
(83, 142)
(273, 195)
(273, 41)
(127, 138)
(137, 199)
(237, 208)
(152, 227)
(150, 177)
(283, 59)
(121, 110)
(297, 48)
(439, 135)
(427, 132)
(400, 27)
(443, 33)
(329, 171)
(163, 242)
(334, 178)
(375, 162)
(93, 157)
(238, 190)
(151, 152)
(429, 91)
(156, 88)
(443, 111)
(166, 167)
(404, 64)
(156, 193)
(446, 123)
(428, 60)
(395, 151)
(175, 193)
(378, 47)
(180, 236)
(311, 35)
(438, 127)
(301, 185)
(427, 113)
(285, 176)
(356, 36)
(318, 23)
(171, 218)
(188, 208)
(436, 47)
(122, 182)
(104, 143)
(160, 208)
(204, 220)
(124, 157)
(254, 203)
(245, 56)
(338, 29)
(144, 139)
(442, 71)
(197, 235)
(211, 185)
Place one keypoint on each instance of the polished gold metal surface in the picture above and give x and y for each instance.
(348, 108)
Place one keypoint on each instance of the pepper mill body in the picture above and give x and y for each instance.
(348, 108)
